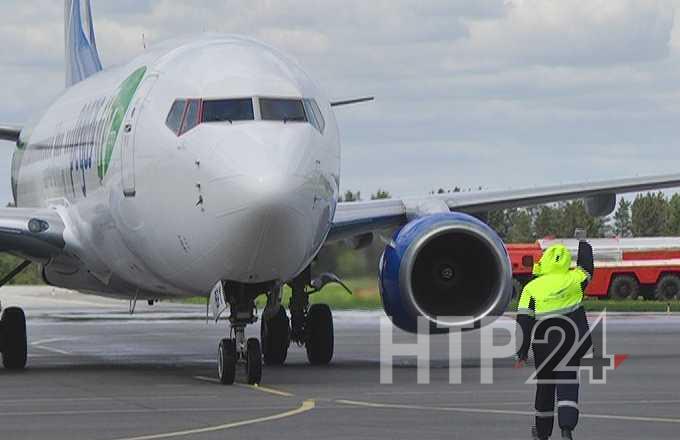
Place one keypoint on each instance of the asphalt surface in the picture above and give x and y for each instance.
(97, 373)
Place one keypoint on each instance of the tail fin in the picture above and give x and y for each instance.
(82, 58)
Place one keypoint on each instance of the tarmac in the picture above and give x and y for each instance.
(97, 372)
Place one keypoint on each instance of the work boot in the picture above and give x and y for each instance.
(566, 434)
(534, 434)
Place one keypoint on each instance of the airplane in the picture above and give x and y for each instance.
(211, 165)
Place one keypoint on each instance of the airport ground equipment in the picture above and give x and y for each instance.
(625, 268)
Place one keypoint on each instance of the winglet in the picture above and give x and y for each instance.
(82, 58)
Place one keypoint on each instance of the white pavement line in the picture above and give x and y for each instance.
(4, 402)
(47, 341)
(207, 379)
(137, 411)
(502, 412)
(307, 405)
(53, 350)
(39, 344)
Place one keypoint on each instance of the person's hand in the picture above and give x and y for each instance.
(520, 363)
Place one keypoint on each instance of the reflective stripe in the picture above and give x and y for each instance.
(545, 414)
(525, 312)
(564, 311)
(569, 403)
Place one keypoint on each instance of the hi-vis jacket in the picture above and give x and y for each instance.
(557, 289)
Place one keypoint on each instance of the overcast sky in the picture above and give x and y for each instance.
(488, 93)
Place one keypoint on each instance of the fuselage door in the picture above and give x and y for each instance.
(130, 129)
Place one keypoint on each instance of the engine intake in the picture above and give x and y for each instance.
(449, 268)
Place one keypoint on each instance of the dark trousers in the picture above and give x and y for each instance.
(557, 374)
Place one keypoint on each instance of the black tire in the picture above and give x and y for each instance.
(14, 345)
(668, 288)
(275, 337)
(319, 328)
(226, 361)
(253, 361)
(624, 287)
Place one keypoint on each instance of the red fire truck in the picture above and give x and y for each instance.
(624, 268)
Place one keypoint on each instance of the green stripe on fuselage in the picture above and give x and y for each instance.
(120, 107)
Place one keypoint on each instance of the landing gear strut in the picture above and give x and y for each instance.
(236, 348)
(311, 326)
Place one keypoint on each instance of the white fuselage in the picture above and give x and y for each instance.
(248, 201)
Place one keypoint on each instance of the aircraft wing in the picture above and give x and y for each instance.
(31, 233)
(9, 132)
(356, 218)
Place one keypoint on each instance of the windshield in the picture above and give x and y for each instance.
(228, 110)
(282, 109)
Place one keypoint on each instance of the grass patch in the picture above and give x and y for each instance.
(366, 297)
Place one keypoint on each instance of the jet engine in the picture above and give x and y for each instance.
(449, 268)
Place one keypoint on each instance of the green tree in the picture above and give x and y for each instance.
(572, 216)
(673, 225)
(501, 222)
(521, 230)
(381, 194)
(622, 221)
(546, 223)
(649, 214)
(351, 196)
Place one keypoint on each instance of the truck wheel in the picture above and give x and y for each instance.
(668, 288)
(624, 287)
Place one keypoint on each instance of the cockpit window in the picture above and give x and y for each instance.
(174, 120)
(228, 110)
(191, 115)
(282, 109)
(314, 115)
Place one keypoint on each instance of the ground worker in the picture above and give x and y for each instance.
(550, 313)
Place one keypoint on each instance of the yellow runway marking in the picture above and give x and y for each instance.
(252, 387)
(502, 412)
(267, 390)
(307, 405)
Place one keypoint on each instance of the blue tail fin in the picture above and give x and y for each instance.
(82, 58)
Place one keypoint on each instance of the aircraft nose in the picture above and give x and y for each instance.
(264, 206)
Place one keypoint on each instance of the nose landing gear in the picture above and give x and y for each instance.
(308, 326)
(236, 348)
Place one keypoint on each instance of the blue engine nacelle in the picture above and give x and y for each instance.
(449, 268)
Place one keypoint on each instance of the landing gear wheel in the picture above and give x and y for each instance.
(226, 361)
(624, 287)
(668, 288)
(253, 361)
(13, 338)
(319, 329)
(275, 337)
